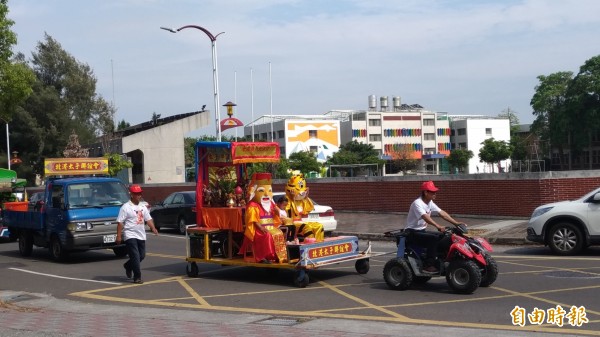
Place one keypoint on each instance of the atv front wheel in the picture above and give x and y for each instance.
(490, 272)
(463, 276)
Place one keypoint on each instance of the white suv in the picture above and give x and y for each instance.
(568, 226)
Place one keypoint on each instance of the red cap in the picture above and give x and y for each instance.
(135, 189)
(428, 186)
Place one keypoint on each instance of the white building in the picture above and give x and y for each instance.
(391, 129)
(427, 135)
(468, 132)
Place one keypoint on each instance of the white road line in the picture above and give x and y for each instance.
(63, 277)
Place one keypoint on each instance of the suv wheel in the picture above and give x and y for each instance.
(565, 239)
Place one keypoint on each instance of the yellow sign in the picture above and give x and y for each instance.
(331, 250)
(75, 166)
(255, 152)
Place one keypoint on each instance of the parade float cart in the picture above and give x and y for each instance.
(221, 181)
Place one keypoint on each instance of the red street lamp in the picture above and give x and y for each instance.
(230, 122)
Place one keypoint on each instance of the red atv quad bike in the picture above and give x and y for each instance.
(464, 261)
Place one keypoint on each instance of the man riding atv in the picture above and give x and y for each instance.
(419, 216)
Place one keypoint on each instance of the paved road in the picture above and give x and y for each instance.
(194, 313)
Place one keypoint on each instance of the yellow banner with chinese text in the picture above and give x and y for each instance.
(75, 166)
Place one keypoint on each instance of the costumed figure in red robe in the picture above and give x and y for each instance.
(262, 222)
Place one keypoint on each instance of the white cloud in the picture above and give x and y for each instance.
(464, 57)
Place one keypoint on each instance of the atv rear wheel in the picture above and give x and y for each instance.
(463, 276)
(397, 274)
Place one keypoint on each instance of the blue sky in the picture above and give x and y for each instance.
(460, 57)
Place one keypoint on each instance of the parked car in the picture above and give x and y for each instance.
(321, 213)
(567, 227)
(177, 211)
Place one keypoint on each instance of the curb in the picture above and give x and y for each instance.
(509, 241)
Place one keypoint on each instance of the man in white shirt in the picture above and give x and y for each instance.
(419, 216)
(131, 227)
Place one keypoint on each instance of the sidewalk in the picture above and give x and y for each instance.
(371, 226)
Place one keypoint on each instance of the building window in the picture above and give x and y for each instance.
(462, 132)
(429, 150)
(282, 151)
(429, 122)
(256, 136)
(375, 137)
(462, 145)
(312, 133)
(429, 136)
(488, 131)
(280, 134)
(263, 136)
(374, 122)
(314, 149)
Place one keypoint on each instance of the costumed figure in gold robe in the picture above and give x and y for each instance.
(300, 205)
(262, 222)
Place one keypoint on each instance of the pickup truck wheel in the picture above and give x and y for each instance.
(565, 239)
(25, 243)
(57, 251)
(181, 226)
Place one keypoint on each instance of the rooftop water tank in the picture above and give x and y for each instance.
(383, 103)
(396, 103)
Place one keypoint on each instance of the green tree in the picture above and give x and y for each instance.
(63, 99)
(494, 151)
(459, 158)
(304, 161)
(584, 106)
(552, 122)
(16, 78)
(403, 160)
(122, 125)
(518, 148)
(355, 153)
(513, 119)
(116, 163)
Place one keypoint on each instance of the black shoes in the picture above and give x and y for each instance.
(128, 272)
(138, 281)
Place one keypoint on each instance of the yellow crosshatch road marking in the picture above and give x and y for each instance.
(202, 302)
(390, 316)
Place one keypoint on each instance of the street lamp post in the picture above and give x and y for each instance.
(7, 146)
(213, 40)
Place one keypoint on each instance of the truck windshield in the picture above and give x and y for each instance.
(97, 194)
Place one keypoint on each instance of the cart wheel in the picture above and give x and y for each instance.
(362, 266)
(301, 279)
(192, 269)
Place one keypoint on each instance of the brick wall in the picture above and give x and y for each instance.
(502, 195)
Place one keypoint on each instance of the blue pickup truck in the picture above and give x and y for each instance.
(76, 214)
